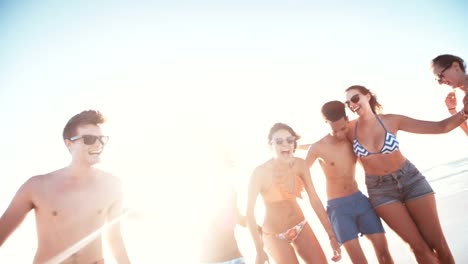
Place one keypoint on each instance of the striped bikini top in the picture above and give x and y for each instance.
(390, 145)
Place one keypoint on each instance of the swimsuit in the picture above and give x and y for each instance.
(291, 234)
(280, 191)
(390, 144)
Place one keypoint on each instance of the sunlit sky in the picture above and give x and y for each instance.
(181, 81)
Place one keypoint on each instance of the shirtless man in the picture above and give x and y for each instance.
(348, 209)
(72, 204)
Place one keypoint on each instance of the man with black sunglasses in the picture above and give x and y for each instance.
(350, 211)
(73, 204)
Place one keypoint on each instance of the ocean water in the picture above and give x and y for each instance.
(169, 234)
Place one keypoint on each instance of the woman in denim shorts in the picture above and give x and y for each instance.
(400, 194)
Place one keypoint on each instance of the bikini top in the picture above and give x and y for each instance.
(280, 191)
(390, 145)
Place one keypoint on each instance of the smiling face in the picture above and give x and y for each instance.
(83, 153)
(451, 74)
(357, 102)
(282, 145)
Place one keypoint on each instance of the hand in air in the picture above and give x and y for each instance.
(451, 100)
(262, 258)
(336, 249)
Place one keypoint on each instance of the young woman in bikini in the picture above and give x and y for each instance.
(280, 181)
(399, 193)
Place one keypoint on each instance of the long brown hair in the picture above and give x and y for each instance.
(374, 104)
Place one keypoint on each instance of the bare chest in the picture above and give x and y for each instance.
(62, 205)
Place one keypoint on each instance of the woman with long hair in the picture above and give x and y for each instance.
(399, 193)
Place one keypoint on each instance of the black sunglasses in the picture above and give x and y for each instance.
(91, 139)
(279, 141)
(441, 73)
(354, 99)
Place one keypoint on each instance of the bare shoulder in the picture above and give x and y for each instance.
(392, 121)
(317, 146)
(38, 182)
(259, 173)
(299, 162)
(110, 181)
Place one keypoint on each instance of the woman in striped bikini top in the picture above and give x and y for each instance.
(390, 144)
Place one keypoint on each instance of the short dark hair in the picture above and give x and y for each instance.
(279, 126)
(333, 111)
(446, 60)
(88, 117)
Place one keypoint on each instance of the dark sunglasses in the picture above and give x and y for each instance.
(441, 73)
(91, 139)
(354, 99)
(279, 141)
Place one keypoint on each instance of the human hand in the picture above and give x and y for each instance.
(451, 100)
(465, 103)
(336, 249)
(261, 258)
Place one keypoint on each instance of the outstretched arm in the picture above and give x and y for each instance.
(114, 235)
(430, 127)
(19, 207)
(319, 210)
(451, 103)
(254, 190)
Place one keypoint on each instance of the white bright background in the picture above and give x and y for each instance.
(180, 80)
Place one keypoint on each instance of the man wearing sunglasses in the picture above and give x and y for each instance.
(74, 203)
(349, 210)
(451, 71)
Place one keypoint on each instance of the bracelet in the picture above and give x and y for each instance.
(453, 108)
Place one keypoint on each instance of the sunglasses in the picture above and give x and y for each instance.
(91, 139)
(279, 141)
(354, 99)
(441, 73)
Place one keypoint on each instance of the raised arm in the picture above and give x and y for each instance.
(253, 192)
(451, 103)
(411, 125)
(319, 210)
(19, 207)
(114, 235)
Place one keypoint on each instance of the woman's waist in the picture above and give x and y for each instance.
(277, 221)
(383, 164)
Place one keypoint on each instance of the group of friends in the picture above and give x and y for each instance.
(72, 205)
(397, 191)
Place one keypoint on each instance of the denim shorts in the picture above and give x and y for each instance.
(353, 215)
(403, 185)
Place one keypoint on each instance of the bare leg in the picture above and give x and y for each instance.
(308, 247)
(379, 241)
(354, 250)
(424, 212)
(280, 250)
(398, 218)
